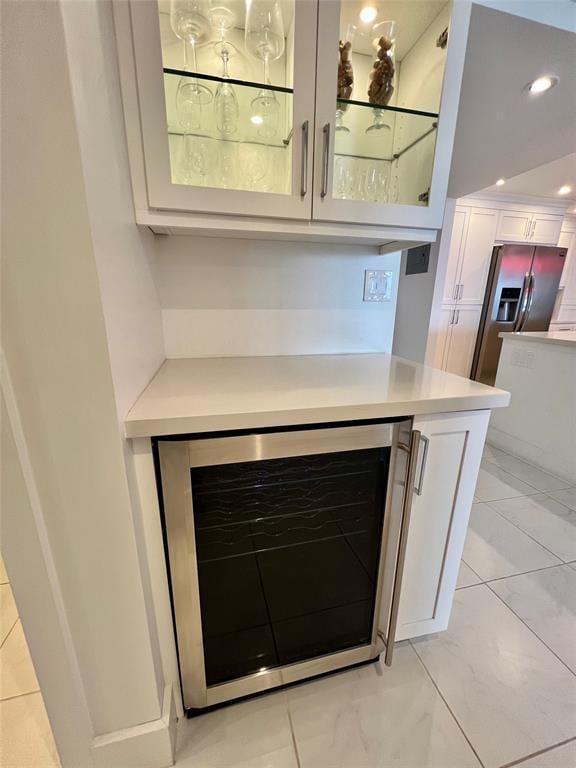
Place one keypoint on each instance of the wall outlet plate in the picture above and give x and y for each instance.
(378, 285)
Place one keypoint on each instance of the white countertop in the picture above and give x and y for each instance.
(214, 394)
(565, 338)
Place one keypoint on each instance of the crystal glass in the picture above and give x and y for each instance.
(201, 156)
(264, 39)
(223, 19)
(225, 103)
(383, 33)
(190, 22)
(376, 185)
(254, 165)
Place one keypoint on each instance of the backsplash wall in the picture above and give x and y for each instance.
(256, 297)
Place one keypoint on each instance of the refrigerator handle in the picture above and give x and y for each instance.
(529, 303)
(523, 303)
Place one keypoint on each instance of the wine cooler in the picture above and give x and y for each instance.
(286, 550)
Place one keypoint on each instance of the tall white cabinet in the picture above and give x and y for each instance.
(471, 244)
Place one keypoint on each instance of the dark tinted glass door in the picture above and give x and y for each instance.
(287, 557)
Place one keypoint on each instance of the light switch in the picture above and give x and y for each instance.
(378, 285)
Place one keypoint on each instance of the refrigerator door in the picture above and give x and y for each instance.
(505, 305)
(546, 271)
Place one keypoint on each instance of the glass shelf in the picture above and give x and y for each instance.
(255, 155)
(375, 146)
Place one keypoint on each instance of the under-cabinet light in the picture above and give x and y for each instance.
(500, 182)
(565, 190)
(257, 119)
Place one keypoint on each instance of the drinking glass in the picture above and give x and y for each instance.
(254, 164)
(190, 22)
(342, 180)
(264, 39)
(376, 185)
(387, 30)
(225, 103)
(203, 157)
(223, 19)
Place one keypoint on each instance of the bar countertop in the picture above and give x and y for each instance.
(215, 394)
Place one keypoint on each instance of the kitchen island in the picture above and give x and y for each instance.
(539, 369)
(344, 481)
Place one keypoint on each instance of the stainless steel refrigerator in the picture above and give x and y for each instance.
(520, 294)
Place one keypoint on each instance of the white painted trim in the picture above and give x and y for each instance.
(149, 745)
(30, 560)
(515, 203)
(145, 477)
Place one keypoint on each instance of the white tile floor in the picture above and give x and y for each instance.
(25, 737)
(497, 689)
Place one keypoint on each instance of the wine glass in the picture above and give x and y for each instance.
(190, 22)
(223, 20)
(264, 39)
(200, 156)
(225, 102)
(254, 164)
(387, 31)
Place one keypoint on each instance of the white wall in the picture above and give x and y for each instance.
(242, 297)
(124, 253)
(415, 294)
(57, 356)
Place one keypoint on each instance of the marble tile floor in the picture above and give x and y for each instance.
(26, 740)
(496, 690)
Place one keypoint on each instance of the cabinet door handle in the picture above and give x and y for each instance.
(461, 291)
(451, 321)
(418, 489)
(455, 291)
(325, 159)
(304, 161)
(457, 316)
(402, 545)
(533, 229)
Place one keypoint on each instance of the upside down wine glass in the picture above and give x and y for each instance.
(190, 23)
(264, 39)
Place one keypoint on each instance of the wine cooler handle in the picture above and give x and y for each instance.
(402, 543)
(325, 160)
(304, 162)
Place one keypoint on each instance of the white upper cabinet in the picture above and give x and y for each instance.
(480, 236)
(234, 111)
(456, 250)
(471, 244)
(545, 229)
(384, 141)
(514, 225)
(525, 227)
(226, 111)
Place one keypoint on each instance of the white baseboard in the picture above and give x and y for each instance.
(550, 461)
(148, 745)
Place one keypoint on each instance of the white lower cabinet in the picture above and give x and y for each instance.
(450, 455)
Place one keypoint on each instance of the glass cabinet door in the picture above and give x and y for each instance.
(383, 151)
(226, 103)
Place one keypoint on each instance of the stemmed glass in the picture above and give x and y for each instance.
(190, 22)
(264, 39)
(225, 102)
(200, 156)
(386, 30)
(254, 164)
(223, 20)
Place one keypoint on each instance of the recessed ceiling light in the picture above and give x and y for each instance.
(500, 182)
(257, 119)
(542, 84)
(565, 190)
(368, 14)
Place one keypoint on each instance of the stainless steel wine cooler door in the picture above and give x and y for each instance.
(286, 552)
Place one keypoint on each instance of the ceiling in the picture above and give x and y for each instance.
(503, 130)
(544, 181)
(412, 19)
